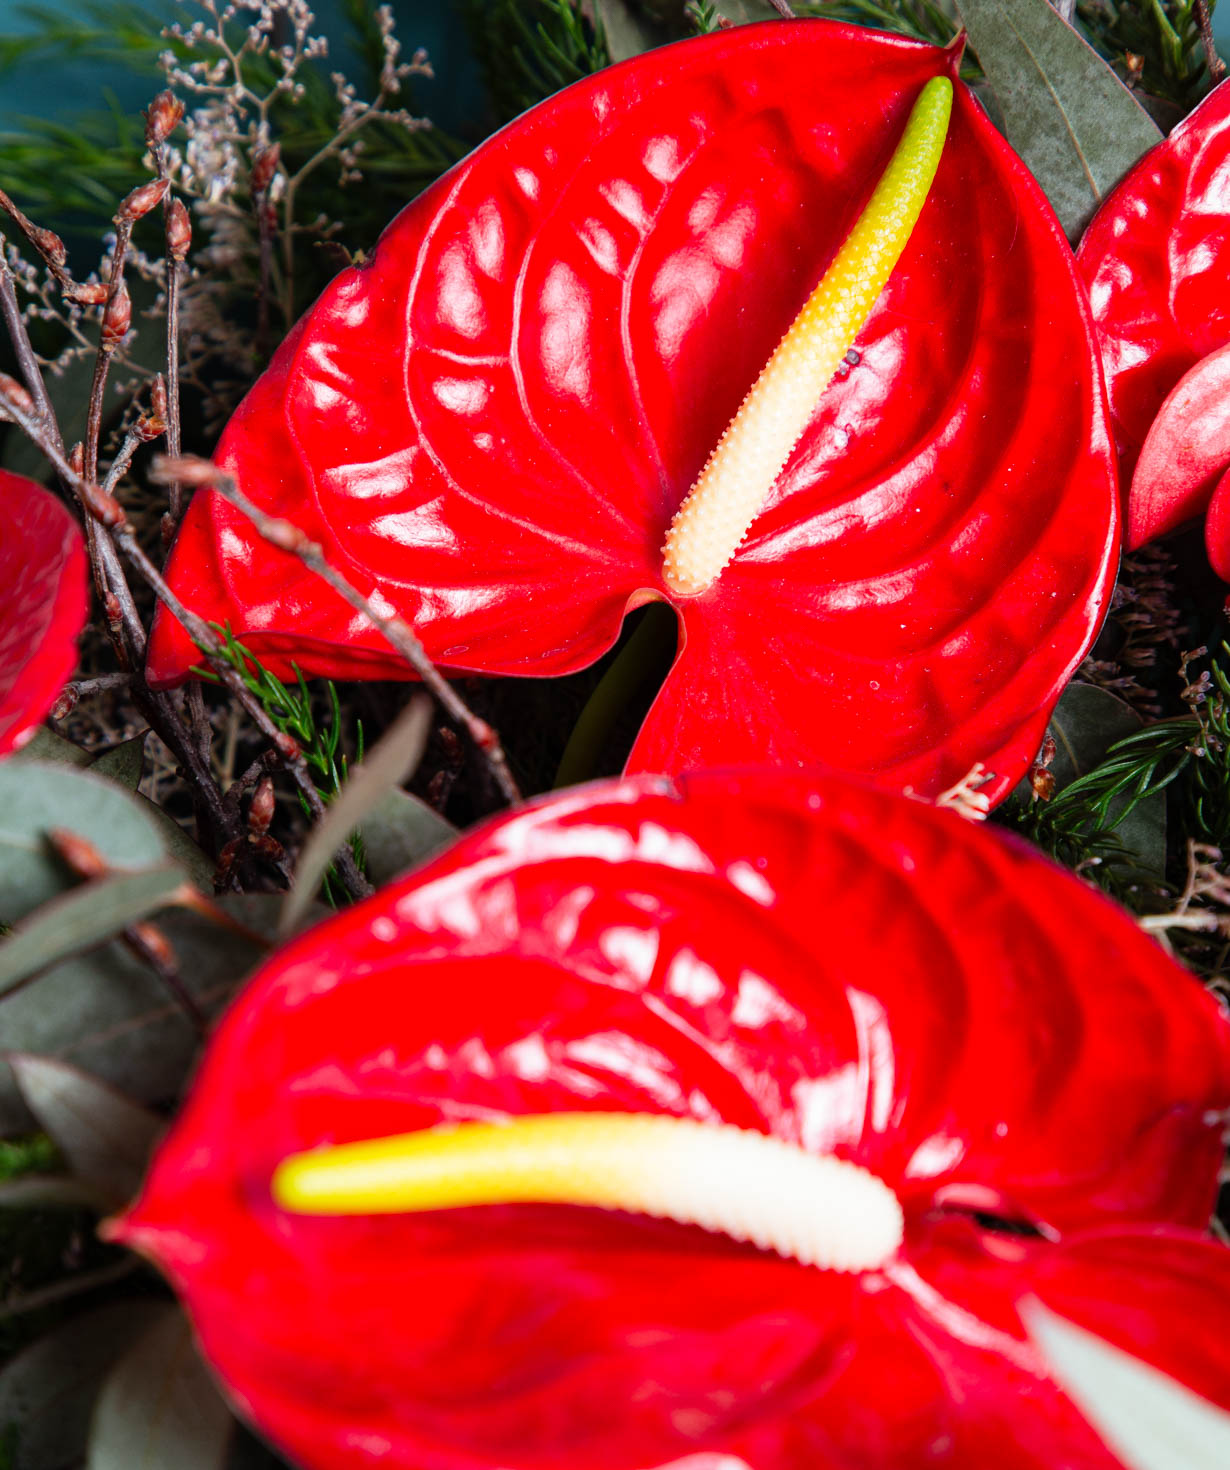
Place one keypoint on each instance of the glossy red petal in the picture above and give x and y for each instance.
(1186, 451)
(1157, 262)
(827, 964)
(494, 420)
(43, 573)
(1217, 528)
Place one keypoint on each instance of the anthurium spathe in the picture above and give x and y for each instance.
(43, 573)
(855, 976)
(492, 423)
(1157, 262)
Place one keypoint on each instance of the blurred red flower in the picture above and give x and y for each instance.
(826, 964)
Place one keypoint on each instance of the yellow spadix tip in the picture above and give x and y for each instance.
(735, 482)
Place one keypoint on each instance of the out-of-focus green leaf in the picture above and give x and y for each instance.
(104, 1136)
(1064, 110)
(46, 745)
(122, 763)
(37, 796)
(48, 1391)
(110, 1014)
(400, 832)
(628, 30)
(159, 1409)
(83, 917)
(1148, 1420)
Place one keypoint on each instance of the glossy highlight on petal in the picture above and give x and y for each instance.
(494, 420)
(43, 572)
(829, 966)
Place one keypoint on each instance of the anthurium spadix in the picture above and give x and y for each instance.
(675, 1123)
(494, 421)
(44, 607)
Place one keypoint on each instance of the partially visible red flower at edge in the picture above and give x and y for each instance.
(43, 605)
(490, 424)
(1157, 262)
(828, 965)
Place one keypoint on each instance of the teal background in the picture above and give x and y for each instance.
(56, 89)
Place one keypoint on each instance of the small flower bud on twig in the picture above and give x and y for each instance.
(48, 244)
(65, 704)
(264, 166)
(163, 117)
(115, 614)
(179, 230)
(88, 293)
(117, 318)
(158, 396)
(142, 199)
(76, 458)
(104, 507)
(13, 392)
(260, 811)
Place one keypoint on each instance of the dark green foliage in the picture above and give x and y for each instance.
(1156, 42)
(702, 16)
(924, 20)
(529, 49)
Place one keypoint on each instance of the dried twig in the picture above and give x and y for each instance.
(398, 633)
(1217, 67)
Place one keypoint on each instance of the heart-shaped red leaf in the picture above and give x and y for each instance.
(491, 423)
(1157, 262)
(826, 964)
(43, 572)
(1185, 453)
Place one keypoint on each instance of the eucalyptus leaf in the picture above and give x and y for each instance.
(385, 766)
(1087, 721)
(744, 11)
(628, 31)
(46, 745)
(48, 1391)
(400, 832)
(1064, 110)
(47, 1192)
(83, 917)
(198, 865)
(36, 796)
(1148, 1420)
(122, 763)
(108, 1013)
(159, 1409)
(104, 1136)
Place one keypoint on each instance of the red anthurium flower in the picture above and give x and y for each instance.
(492, 422)
(855, 975)
(43, 572)
(1157, 262)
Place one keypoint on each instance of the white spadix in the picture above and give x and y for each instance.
(736, 480)
(818, 1210)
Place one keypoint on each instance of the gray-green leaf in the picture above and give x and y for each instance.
(104, 1136)
(83, 917)
(110, 1014)
(48, 1391)
(159, 1409)
(400, 832)
(1064, 110)
(36, 796)
(1148, 1420)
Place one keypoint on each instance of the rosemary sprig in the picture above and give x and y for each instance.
(291, 710)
